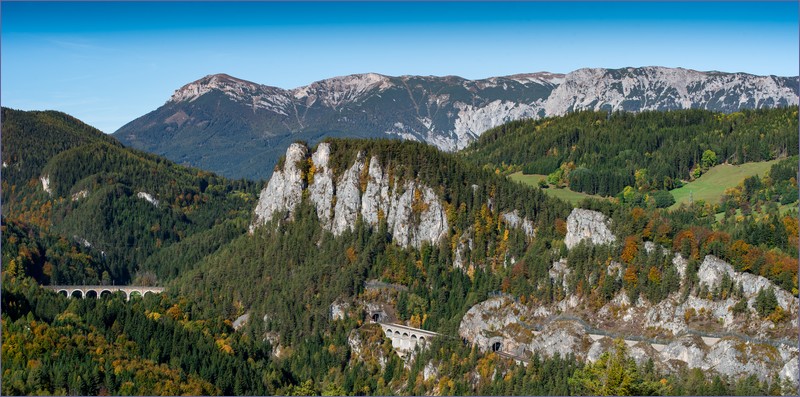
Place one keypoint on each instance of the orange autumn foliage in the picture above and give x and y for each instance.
(630, 250)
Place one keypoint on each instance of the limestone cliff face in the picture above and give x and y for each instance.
(501, 322)
(496, 320)
(413, 212)
(587, 225)
(712, 270)
(375, 200)
(46, 184)
(322, 190)
(348, 199)
(285, 188)
(512, 219)
(791, 371)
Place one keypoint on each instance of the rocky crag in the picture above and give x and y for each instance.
(340, 201)
(587, 225)
(366, 190)
(665, 332)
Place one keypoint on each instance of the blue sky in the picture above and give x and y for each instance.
(108, 63)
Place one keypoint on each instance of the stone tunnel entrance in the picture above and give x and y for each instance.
(378, 316)
(497, 346)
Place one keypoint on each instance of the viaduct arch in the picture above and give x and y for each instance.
(95, 291)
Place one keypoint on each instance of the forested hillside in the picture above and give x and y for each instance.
(602, 153)
(301, 267)
(638, 156)
(62, 177)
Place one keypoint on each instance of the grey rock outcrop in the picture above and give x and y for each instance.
(413, 211)
(562, 337)
(374, 203)
(284, 190)
(433, 221)
(355, 342)
(338, 310)
(465, 243)
(241, 321)
(46, 184)
(348, 199)
(365, 345)
(587, 225)
(430, 371)
(147, 197)
(791, 372)
(640, 352)
(598, 347)
(560, 271)
(650, 246)
(495, 320)
(513, 220)
(80, 195)
(735, 358)
(689, 349)
(321, 191)
(614, 269)
(680, 265)
(712, 270)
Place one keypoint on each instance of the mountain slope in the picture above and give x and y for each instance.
(69, 180)
(48, 132)
(334, 217)
(601, 153)
(239, 128)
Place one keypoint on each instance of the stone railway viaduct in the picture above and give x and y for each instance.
(405, 339)
(95, 291)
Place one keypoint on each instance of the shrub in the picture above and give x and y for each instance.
(663, 198)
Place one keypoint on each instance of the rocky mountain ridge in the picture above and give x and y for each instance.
(340, 202)
(366, 190)
(233, 126)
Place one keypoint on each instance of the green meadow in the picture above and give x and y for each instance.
(564, 194)
(711, 185)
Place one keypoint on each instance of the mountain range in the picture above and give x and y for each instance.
(239, 128)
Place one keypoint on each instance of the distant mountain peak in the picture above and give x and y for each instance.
(243, 135)
(336, 91)
(220, 81)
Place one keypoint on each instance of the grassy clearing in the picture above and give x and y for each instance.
(711, 185)
(564, 194)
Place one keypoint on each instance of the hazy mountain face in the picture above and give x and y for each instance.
(239, 128)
